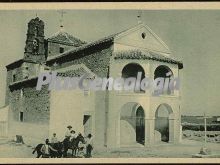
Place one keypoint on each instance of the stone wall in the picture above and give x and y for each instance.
(54, 48)
(97, 62)
(35, 32)
(34, 104)
(20, 72)
(35, 107)
(8, 79)
(26, 69)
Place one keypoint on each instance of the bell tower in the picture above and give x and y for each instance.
(34, 49)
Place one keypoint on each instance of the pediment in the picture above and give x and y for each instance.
(142, 37)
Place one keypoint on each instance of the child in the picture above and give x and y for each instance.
(81, 149)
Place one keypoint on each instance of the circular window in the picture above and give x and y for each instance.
(143, 35)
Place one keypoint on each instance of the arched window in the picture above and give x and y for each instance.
(165, 72)
(131, 70)
(14, 77)
(35, 45)
(25, 70)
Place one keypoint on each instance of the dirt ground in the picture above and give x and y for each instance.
(183, 150)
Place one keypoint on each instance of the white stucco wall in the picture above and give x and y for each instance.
(68, 108)
(4, 113)
(133, 38)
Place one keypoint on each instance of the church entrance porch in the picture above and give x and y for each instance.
(132, 125)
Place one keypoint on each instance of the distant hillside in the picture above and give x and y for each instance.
(196, 123)
(199, 119)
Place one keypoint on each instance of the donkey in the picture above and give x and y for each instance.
(57, 146)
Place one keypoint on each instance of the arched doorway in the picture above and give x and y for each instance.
(132, 125)
(131, 70)
(163, 123)
(165, 72)
(140, 125)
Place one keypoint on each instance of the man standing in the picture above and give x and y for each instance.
(89, 146)
(46, 149)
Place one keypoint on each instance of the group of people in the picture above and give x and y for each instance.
(69, 135)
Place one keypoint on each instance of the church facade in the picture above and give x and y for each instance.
(114, 118)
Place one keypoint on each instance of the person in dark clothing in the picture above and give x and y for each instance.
(89, 146)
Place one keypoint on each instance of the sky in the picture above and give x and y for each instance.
(193, 36)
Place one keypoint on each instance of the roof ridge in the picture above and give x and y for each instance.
(109, 37)
(65, 37)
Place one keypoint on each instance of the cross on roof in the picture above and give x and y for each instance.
(61, 17)
(139, 17)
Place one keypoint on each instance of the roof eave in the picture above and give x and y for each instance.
(14, 64)
(138, 55)
(179, 63)
(31, 81)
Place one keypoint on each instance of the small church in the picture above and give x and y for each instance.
(114, 118)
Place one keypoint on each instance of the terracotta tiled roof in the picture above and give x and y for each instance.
(66, 38)
(137, 54)
(72, 73)
(75, 71)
